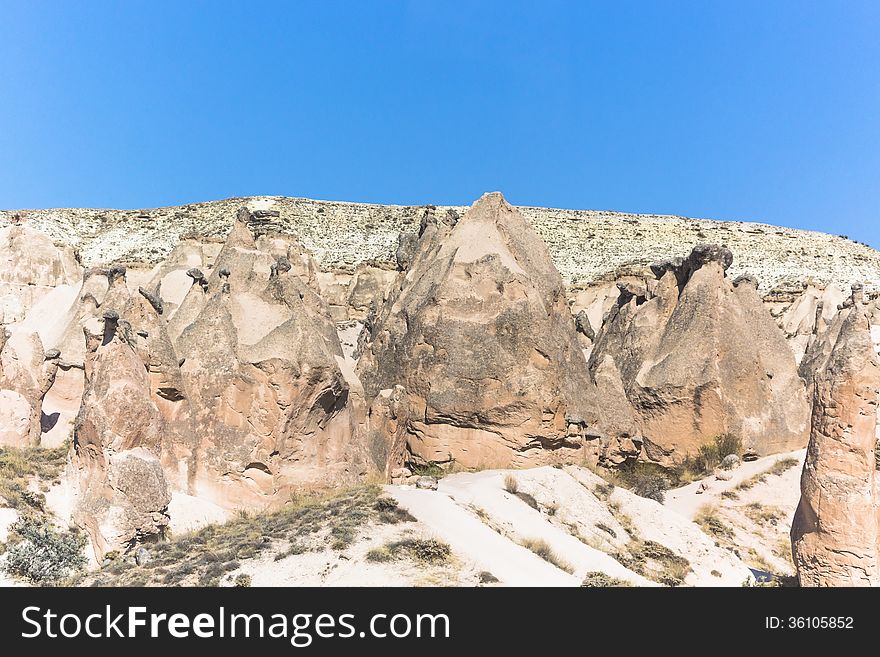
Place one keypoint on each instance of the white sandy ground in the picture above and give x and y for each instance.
(351, 567)
(190, 513)
(780, 494)
(485, 526)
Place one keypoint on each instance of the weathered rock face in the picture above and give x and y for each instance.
(26, 374)
(260, 362)
(835, 530)
(31, 266)
(810, 312)
(702, 357)
(474, 358)
(119, 432)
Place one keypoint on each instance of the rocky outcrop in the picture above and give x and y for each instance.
(27, 372)
(118, 436)
(260, 359)
(474, 359)
(697, 356)
(31, 266)
(836, 528)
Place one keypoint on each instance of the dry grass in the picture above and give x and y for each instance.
(20, 467)
(510, 484)
(540, 547)
(305, 523)
(780, 467)
(761, 514)
(708, 519)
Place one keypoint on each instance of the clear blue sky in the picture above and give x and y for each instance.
(765, 111)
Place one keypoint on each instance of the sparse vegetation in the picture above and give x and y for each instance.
(425, 550)
(600, 579)
(710, 454)
(783, 465)
(707, 518)
(780, 467)
(542, 548)
(41, 554)
(204, 557)
(761, 514)
(242, 580)
(656, 562)
(603, 491)
(379, 554)
(605, 528)
(20, 467)
(510, 484)
(390, 513)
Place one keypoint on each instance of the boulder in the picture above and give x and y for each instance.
(835, 529)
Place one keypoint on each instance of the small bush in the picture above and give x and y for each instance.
(655, 561)
(710, 454)
(528, 499)
(43, 555)
(599, 579)
(419, 549)
(603, 491)
(510, 484)
(243, 580)
(646, 480)
(379, 554)
(542, 548)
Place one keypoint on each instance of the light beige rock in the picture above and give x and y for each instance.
(26, 375)
(835, 530)
(122, 491)
(477, 350)
(272, 410)
(702, 357)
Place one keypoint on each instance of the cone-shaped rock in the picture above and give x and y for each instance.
(122, 491)
(260, 358)
(703, 357)
(474, 358)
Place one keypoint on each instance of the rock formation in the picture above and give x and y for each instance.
(31, 266)
(474, 358)
(123, 495)
(260, 360)
(836, 530)
(26, 374)
(702, 357)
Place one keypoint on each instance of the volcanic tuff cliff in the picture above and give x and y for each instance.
(586, 246)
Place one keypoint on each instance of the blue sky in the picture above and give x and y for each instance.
(764, 111)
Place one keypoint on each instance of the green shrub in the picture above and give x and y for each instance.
(42, 554)
(710, 454)
(599, 579)
(420, 549)
(646, 479)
